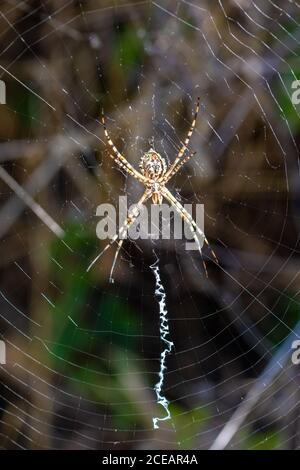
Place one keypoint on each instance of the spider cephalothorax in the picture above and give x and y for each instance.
(153, 165)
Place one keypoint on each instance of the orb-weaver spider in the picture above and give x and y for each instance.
(154, 175)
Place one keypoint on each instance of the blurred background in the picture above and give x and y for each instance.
(82, 355)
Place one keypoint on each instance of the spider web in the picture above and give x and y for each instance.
(82, 355)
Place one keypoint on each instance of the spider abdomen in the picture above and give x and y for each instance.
(153, 165)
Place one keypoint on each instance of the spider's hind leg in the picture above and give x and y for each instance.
(132, 216)
(195, 230)
(195, 236)
(120, 243)
(212, 251)
(113, 240)
(102, 252)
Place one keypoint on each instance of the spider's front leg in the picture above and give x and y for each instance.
(132, 216)
(119, 158)
(196, 231)
(184, 148)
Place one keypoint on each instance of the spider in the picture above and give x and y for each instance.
(154, 175)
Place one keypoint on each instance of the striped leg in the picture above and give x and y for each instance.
(132, 216)
(180, 165)
(185, 145)
(196, 231)
(119, 159)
